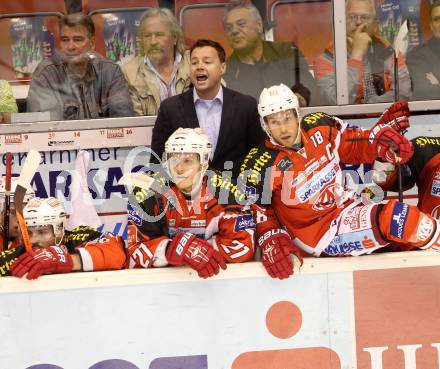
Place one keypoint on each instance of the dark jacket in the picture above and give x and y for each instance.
(282, 62)
(424, 70)
(240, 128)
(102, 93)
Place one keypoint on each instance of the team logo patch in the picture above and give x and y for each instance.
(285, 164)
(398, 219)
(326, 198)
(435, 189)
(243, 222)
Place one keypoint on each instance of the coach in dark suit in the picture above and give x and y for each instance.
(230, 119)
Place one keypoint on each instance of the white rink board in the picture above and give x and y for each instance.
(168, 318)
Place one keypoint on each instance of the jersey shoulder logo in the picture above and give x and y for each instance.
(314, 120)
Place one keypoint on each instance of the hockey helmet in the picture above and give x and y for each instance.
(43, 212)
(275, 99)
(14, 180)
(188, 141)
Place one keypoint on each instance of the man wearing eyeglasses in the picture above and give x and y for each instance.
(370, 62)
(256, 63)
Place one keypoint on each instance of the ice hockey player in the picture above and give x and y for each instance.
(296, 180)
(196, 229)
(423, 170)
(83, 249)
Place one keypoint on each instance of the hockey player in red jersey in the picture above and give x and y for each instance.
(296, 182)
(185, 223)
(423, 170)
(83, 249)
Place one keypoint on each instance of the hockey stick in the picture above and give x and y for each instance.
(400, 45)
(24, 182)
(7, 200)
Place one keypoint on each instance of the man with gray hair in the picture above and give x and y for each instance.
(163, 69)
(77, 83)
(256, 64)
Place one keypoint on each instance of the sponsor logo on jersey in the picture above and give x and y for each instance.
(301, 177)
(357, 219)
(285, 164)
(317, 183)
(244, 222)
(198, 222)
(352, 244)
(259, 165)
(425, 228)
(314, 118)
(423, 141)
(437, 175)
(133, 215)
(171, 222)
(435, 189)
(398, 219)
(342, 248)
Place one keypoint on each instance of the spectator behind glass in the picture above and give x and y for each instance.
(229, 118)
(424, 61)
(7, 100)
(77, 83)
(164, 70)
(370, 61)
(256, 63)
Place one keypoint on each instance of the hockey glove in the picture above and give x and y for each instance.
(390, 146)
(53, 259)
(396, 117)
(276, 247)
(187, 249)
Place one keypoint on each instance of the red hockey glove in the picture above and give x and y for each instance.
(389, 144)
(186, 248)
(53, 259)
(396, 117)
(276, 247)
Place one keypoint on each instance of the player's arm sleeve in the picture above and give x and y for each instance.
(107, 253)
(235, 239)
(147, 239)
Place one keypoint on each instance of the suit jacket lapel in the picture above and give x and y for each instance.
(226, 123)
(190, 119)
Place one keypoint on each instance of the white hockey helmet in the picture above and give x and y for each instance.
(14, 180)
(43, 212)
(188, 141)
(275, 99)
